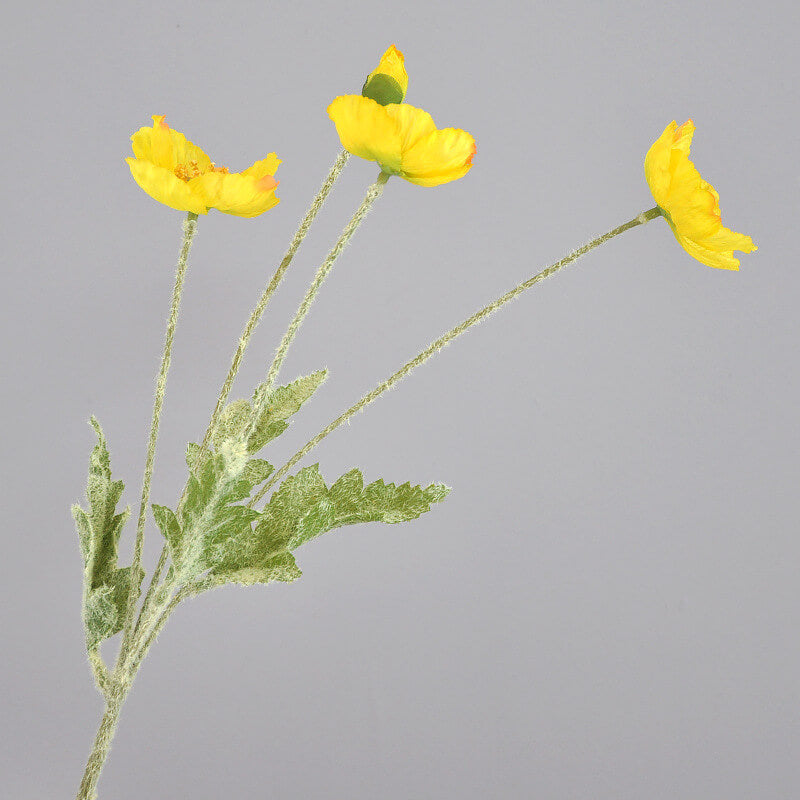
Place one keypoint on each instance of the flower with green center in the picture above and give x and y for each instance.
(176, 172)
(690, 204)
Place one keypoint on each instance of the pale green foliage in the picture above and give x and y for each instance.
(212, 530)
(210, 520)
(106, 586)
(267, 414)
(214, 534)
(303, 507)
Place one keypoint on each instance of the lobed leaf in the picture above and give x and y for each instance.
(303, 507)
(266, 415)
(209, 522)
(106, 586)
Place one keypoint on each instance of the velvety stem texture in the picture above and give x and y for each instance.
(152, 620)
(373, 193)
(249, 328)
(100, 748)
(189, 229)
(448, 337)
(255, 317)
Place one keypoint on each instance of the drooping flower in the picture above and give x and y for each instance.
(179, 174)
(403, 140)
(388, 83)
(690, 204)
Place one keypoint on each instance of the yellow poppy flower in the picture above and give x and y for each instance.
(403, 140)
(179, 174)
(690, 204)
(389, 82)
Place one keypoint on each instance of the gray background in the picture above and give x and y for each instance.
(607, 604)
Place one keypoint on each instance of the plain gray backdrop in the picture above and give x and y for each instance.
(606, 606)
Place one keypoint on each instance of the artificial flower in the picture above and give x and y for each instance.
(690, 204)
(403, 140)
(179, 174)
(388, 83)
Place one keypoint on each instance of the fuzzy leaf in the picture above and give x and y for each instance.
(104, 610)
(281, 567)
(192, 452)
(210, 523)
(106, 586)
(267, 413)
(303, 507)
(257, 470)
(168, 523)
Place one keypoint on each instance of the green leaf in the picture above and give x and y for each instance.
(210, 522)
(267, 414)
(281, 567)
(303, 507)
(106, 586)
(168, 523)
(104, 610)
(257, 470)
(192, 453)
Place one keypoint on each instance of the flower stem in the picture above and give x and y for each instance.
(249, 328)
(99, 670)
(189, 229)
(373, 193)
(448, 337)
(101, 746)
(125, 674)
(255, 317)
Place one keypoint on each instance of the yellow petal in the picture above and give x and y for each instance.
(726, 240)
(412, 123)
(240, 194)
(366, 130)
(656, 164)
(166, 147)
(682, 137)
(690, 203)
(267, 166)
(162, 185)
(706, 256)
(438, 157)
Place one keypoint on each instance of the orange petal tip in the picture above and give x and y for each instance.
(266, 183)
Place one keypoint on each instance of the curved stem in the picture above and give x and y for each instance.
(146, 638)
(189, 229)
(244, 339)
(100, 671)
(151, 589)
(118, 691)
(258, 311)
(445, 339)
(373, 193)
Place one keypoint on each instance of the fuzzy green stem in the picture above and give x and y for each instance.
(147, 637)
(99, 670)
(373, 193)
(118, 689)
(189, 229)
(244, 339)
(101, 746)
(258, 311)
(448, 337)
(151, 589)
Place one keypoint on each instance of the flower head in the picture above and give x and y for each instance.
(179, 174)
(389, 82)
(403, 139)
(690, 204)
